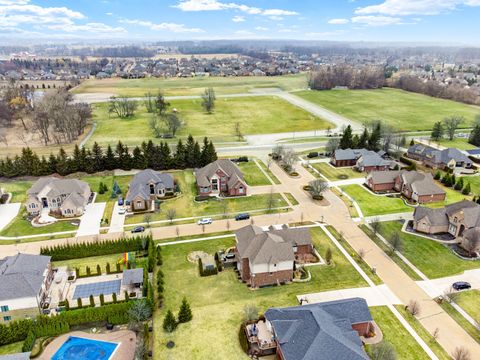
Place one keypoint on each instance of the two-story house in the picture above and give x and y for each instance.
(221, 177)
(442, 159)
(146, 186)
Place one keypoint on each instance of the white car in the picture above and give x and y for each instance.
(205, 221)
(122, 211)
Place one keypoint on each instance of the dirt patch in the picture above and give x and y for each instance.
(195, 255)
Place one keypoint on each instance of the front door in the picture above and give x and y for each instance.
(44, 202)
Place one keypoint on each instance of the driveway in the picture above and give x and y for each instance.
(90, 220)
(375, 296)
(117, 221)
(437, 287)
(8, 213)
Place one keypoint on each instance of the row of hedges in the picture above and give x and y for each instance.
(88, 249)
(206, 272)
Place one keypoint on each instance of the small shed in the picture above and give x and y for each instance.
(133, 277)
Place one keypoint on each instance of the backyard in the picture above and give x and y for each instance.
(217, 302)
(332, 173)
(398, 108)
(256, 115)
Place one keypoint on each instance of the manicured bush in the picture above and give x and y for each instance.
(202, 198)
(114, 297)
(438, 175)
(312, 154)
(99, 269)
(92, 301)
(459, 184)
(102, 299)
(242, 338)
(107, 267)
(466, 190)
(169, 322)
(79, 303)
(185, 313)
(159, 255)
(206, 272)
(406, 160)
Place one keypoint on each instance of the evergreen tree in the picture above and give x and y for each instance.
(138, 160)
(63, 164)
(438, 175)
(412, 142)
(185, 313)
(474, 138)
(363, 140)
(437, 131)
(97, 157)
(466, 190)
(374, 140)
(189, 152)
(110, 161)
(180, 156)
(346, 142)
(355, 141)
(169, 322)
(197, 156)
(459, 184)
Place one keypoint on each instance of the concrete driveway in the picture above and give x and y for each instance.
(437, 287)
(117, 221)
(8, 213)
(90, 220)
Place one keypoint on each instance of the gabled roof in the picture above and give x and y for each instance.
(304, 332)
(436, 217)
(203, 175)
(438, 156)
(132, 276)
(52, 186)
(421, 183)
(372, 160)
(140, 184)
(384, 177)
(351, 154)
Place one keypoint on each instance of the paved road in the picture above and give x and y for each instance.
(8, 212)
(437, 287)
(90, 220)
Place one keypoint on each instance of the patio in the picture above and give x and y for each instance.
(260, 339)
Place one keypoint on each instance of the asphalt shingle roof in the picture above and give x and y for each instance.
(203, 175)
(140, 184)
(132, 276)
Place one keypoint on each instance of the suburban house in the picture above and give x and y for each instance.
(414, 185)
(361, 159)
(221, 177)
(461, 220)
(64, 197)
(268, 257)
(329, 331)
(442, 159)
(146, 186)
(24, 283)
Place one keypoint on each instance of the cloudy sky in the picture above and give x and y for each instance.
(448, 21)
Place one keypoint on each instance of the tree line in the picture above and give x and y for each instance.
(353, 77)
(95, 159)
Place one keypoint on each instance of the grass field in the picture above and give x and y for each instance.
(469, 328)
(11, 348)
(252, 174)
(256, 115)
(395, 334)
(459, 143)
(190, 86)
(269, 172)
(185, 206)
(474, 184)
(403, 110)
(17, 188)
(426, 254)
(372, 205)
(332, 173)
(470, 302)
(351, 209)
(217, 302)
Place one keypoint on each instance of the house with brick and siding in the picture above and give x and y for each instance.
(328, 330)
(362, 159)
(267, 257)
(221, 177)
(439, 159)
(146, 186)
(414, 185)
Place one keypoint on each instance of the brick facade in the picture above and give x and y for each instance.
(431, 198)
(363, 329)
(343, 163)
(375, 168)
(380, 187)
(273, 278)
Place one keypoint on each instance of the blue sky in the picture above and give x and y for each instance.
(439, 21)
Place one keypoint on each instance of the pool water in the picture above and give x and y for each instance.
(85, 349)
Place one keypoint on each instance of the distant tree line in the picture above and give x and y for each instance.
(115, 52)
(90, 160)
(365, 77)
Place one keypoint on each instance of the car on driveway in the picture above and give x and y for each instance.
(138, 229)
(461, 285)
(205, 221)
(243, 216)
(122, 211)
(120, 201)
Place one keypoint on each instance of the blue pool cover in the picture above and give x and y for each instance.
(76, 348)
(95, 289)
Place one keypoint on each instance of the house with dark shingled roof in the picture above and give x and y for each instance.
(221, 177)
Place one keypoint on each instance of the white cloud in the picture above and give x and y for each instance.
(415, 7)
(98, 28)
(215, 5)
(338, 21)
(276, 18)
(325, 34)
(238, 18)
(372, 20)
(243, 32)
(171, 27)
(261, 28)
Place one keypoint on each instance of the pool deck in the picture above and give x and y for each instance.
(126, 339)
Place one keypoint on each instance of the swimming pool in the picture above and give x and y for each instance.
(85, 349)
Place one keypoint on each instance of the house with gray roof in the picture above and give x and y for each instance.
(64, 197)
(442, 159)
(146, 186)
(221, 177)
(268, 257)
(361, 159)
(329, 330)
(24, 283)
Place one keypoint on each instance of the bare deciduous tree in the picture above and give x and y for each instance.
(172, 122)
(461, 353)
(122, 106)
(395, 242)
(171, 214)
(414, 307)
(208, 100)
(238, 131)
(375, 225)
(317, 188)
(451, 124)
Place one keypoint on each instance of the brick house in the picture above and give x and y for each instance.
(146, 186)
(442, 159)
(361, 159)
(328, 330)
(414, 185)
(221, 177)
(268, 257)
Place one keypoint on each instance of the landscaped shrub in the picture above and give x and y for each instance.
(151, 255)
(169, 323)
(459, 184)
(206, 272)
(312, 154)
(438, 175)
(159, 255)
(107, 267)
(406, 160)
(114, 298)
(79, 303)
(466, 190)
(92, 301)
(102, 299)
(202, 198)
(242, 338)
(185, 313)
(218, 262)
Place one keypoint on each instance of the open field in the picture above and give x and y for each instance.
(190, 86)
(470, 302)
(217, 302)
(332, 173)
(372, 205)
(186, 206)
(426, 254)
(252, 174)
(403, 110)
(459, 143)
(256, 115)
(395, 334)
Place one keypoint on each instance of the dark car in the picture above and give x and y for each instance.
(120, 201)
(242, 217)
(138, 229)
(461, 285)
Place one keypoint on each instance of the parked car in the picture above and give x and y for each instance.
(138, 229)
(461, 285)
(120, 201)
(205, 221)
(243, 216)
(122, 211)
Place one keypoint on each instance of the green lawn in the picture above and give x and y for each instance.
(470, 302)
(474, 184)
(424, 334)
(459, 143)
(217, 302)
(252, 174)
(426, 254)
(403, 110)
(11, 348)
(394, 333)
(352, 210)
(190, 86)
(291, 198)
(332, 173)
(372, 205)
(185, 206)
(269, 172)
(17, 188)
(256, 115)
(93, 261)
(469, 328)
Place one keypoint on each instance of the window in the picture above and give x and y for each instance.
(215, 184)
(7, 318)
(4, 308)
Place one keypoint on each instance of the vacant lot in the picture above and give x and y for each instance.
(256, 115)
(332, 173)
(190, 86)
(217, 302)
(403, 110)
(426, 254)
